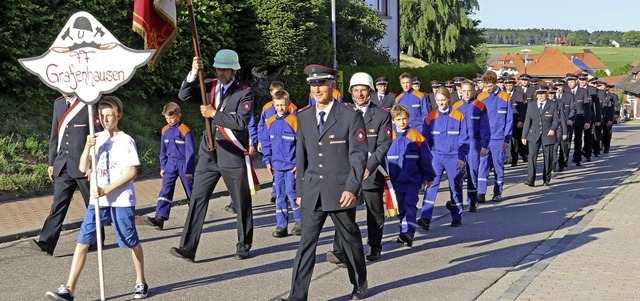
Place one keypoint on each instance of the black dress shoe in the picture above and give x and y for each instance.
(473, 207)
(424, 223)
(456, 223)
(280, 232)
(528, 183)
(578, 163)
(297, 229)
(405, 238)
(374, 254)
(335, 257)
(241, 255)
(514, 164)
(606, 151)
(183, 253)
(40, 246)
(231, 208)
(546, 183)
(525, 159)
(448, 205)
(359, 293)
(156, 222)
(481, 198)
(588, 159)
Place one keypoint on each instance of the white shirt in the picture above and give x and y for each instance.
(363, 109)
(326, 110)
(114, 156)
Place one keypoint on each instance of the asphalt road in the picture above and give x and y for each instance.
(480, 260)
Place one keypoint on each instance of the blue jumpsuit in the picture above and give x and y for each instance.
(500, 113)
(448, 138)
(417, 103)
(409, 161)
(479, 137)
(269, 110)
(279, 150)
(177, 159)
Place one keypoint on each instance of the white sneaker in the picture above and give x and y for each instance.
(142, 291)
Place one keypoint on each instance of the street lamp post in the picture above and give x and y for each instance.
(526, 58)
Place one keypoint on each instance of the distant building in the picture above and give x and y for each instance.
(389, 12)
(551, 63)
(615, 44)
(630, 86)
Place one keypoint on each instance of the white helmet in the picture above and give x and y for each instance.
(361, 78)
(226, 59)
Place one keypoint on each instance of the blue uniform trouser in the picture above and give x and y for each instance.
(496, 153)
(442, 163)
(165, 197)
(284, 183)
(407, 210)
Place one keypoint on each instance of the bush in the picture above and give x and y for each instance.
(426, 74)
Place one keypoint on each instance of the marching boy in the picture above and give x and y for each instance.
(279, 155)
(116, 167)
(409, 160)
(177, 160)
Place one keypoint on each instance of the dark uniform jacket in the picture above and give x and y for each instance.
(237, 110)
(330, 162)
(581, 105)
(537, 125)
(72, 132)
(519, 104)
(529, 92)
(606, 107)
(377, 125)
(388, 100)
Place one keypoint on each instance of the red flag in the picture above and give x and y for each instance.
(389, 203)
(155, 21)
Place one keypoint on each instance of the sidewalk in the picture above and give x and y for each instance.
(22, 218)
(601, 262)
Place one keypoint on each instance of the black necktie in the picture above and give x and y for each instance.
(321, 124)
(68, 104)
(381, 97)
(541, 106)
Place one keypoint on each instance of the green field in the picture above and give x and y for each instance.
(610, 56)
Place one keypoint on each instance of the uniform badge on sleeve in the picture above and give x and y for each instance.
(387, 131)
(360, 135)
(246, 105)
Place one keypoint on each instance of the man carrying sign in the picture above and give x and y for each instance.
(229, 111)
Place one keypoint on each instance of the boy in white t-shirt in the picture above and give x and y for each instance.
(116, 167)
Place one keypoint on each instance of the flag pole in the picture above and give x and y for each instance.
(94, 176)
(196, 50)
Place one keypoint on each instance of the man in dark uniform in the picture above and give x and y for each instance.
(383, 98)
(331, 157)
(377, 123)
(608, 112)
(229, 113)
(612, 99)
(540, 127)
(565, 101)
(69, 131)
(450, 86)
(519, 104)
(431, 97)
(525, 88)
(581, 113)
(589, 137)
(415, 84)
(457, 94)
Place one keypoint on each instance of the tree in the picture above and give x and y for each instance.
(632, 38)
(602, 41)
(432, 29)
(359, 32)
(622, 70)
(578, 38)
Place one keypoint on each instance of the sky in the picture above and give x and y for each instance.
(592, 15)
